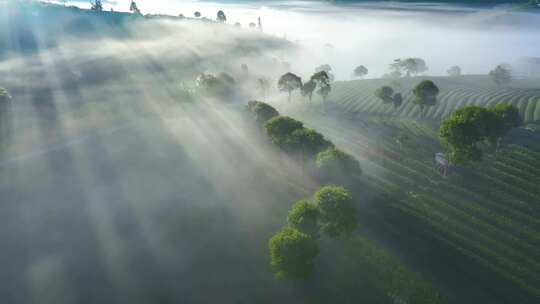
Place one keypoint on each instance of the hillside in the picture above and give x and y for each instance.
(475, 232)
(357, 96)
(121, 183)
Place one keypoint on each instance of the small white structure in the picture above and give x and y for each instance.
(441, 163)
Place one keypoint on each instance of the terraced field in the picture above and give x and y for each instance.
(487, 216)
(358, 96)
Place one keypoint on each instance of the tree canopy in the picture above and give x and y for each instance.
(325, 68)
(338, 215)
(385, 93)
(360, 71)
(280, 128)
(308, 141)
(96, 6)
(221, 16)
(197, 14)
(304, 217)
(292, 254)
(472, 125)
(308, 88)
(322, 79)
(411, 66)
(425, 94)
(289, 82)
(454, 71)
(261, 111)
(134, 8)
(219, 85)
(337, 166)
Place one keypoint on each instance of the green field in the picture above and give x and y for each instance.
(358, 96)
(475, 232)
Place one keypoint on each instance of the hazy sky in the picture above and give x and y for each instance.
(375, 34)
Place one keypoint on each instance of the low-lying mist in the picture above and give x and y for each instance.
(375, 33)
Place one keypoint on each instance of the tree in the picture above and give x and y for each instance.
(338, 216)
(425, 95)
(197, 14)
(292, 254)
(322, 79)
(467, 127)
(134, 9)
(280, 128)
(501, 75)
(385, 94)
(97, 6)
(237, 24)
(337, 166)
(308, 88)
(289, 82)
(221, 16)
(411, 66)
(398, 100)
(262, 111)
(508, 115)
(220, 85)
(325, 68)
(454, 71)
(308, 141)
(360, 71)
(508, 118)
(304, 217)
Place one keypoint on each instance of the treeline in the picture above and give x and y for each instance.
(329, 213)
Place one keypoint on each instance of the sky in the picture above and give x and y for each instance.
(375, 34)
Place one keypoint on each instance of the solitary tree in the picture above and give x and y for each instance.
(304, 217)
(134, 9)
(467, 127)
(425, 95)
(97, 6)
(262, 112)
(221, 16)
(292, 254)
(252, 25)
(289, 82)
(411, 66)
(308, 88)
(338, 215)
(197, 14)
(337, 166)
(501, 75)
(360, 71)
(454, 71)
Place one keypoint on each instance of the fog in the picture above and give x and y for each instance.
(374, 33)
(120, 182)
